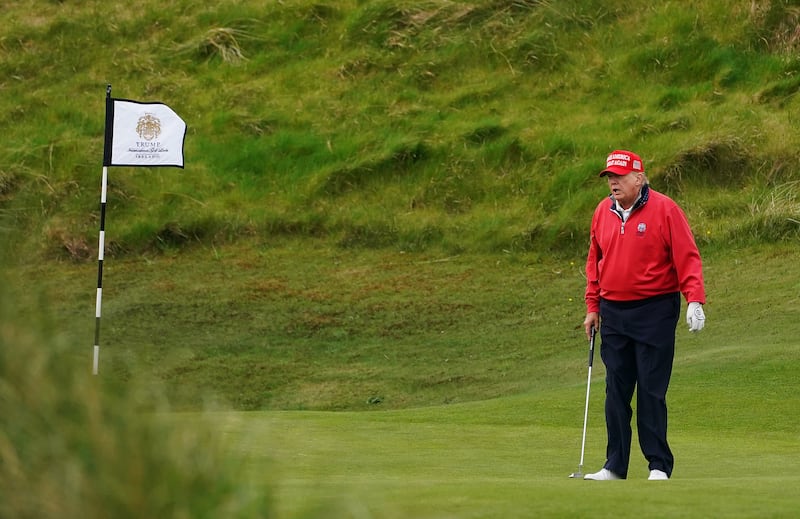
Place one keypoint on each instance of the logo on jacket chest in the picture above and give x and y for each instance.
(641, 228)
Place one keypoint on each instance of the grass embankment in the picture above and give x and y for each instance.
(304, 327)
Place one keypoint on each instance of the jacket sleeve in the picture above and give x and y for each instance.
(592, 295)
(686, 258)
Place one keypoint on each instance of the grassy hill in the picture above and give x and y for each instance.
(384, 207)
(463, 126)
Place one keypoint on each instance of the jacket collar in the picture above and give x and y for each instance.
(644, 194)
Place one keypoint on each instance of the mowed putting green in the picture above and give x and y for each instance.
(402, 465)
(511, 457)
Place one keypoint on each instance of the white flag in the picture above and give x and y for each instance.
(142, 134)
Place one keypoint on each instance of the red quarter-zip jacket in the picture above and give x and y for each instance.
(653, 253)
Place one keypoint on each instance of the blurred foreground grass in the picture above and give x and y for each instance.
(76, 446)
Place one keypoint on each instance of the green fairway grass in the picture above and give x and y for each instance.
(500, 459)
(498, 432)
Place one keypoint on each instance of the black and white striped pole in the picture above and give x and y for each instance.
(100, 252)
(101, 248)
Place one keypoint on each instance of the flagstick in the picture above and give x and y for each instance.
(100, 248)
(142, 151)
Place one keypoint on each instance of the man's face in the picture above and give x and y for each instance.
(625, 188)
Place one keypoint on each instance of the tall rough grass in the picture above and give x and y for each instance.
(76, 446)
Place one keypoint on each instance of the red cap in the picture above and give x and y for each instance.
(622, 162)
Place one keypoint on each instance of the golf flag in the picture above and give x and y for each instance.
(137, 134)
(142, 134)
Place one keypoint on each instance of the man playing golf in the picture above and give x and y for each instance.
(642, 257)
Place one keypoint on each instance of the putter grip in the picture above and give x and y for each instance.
(591, 345)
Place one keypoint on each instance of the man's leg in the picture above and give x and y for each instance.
(618, 354)
(654, 359)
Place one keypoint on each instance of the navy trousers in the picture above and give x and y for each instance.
(638, 347)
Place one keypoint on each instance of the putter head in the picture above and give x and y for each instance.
(578, 475)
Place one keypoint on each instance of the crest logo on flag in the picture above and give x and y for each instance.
(148, 127)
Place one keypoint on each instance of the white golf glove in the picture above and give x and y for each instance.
(695, 317)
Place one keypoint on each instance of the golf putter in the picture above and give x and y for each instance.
(579, 473)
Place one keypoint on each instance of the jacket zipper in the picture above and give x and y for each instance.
(639, 203)
(621, 221)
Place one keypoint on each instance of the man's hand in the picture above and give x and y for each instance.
(592, 320)
(695, 317)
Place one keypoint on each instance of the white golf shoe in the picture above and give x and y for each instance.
(603, 475)
(657, 475)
